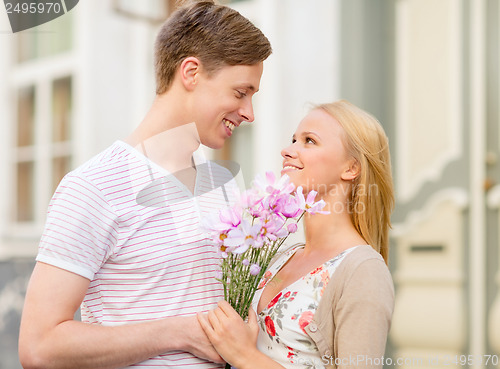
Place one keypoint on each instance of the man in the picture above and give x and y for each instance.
(123, 236)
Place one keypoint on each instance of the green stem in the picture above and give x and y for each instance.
(240, 287)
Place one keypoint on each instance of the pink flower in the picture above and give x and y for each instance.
(273, 228)
(271, 186)
(305, 319)
(308, 204)
(292, 227)
(288, 206)
(218, 227)
(228, 218)
(244, 236)
(254, 269)
(252, 231)
(252, 202)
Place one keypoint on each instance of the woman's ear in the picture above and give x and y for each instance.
(352, 171)
(189, 71)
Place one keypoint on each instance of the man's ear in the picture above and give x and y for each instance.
(189, 71)
(352, 171)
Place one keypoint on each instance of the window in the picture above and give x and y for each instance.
(25, 154)
(46, 40)
(43, 150)
(42, 83)
(61, 129)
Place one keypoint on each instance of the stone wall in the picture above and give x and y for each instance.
(14, 276)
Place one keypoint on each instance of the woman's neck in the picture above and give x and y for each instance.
(330, 233)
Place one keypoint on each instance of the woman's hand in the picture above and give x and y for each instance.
(234, 340)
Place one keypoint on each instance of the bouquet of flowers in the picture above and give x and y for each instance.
(249, 234)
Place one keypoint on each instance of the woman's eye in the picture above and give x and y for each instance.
(294, 140)
(310, 140)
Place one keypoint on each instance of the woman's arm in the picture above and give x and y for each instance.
(363, 317)
(235, 340)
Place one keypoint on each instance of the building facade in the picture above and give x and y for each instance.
(428, 69)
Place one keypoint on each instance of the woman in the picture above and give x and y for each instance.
(329, 302)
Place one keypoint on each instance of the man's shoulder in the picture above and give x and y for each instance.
(109, 163)
(109, 157)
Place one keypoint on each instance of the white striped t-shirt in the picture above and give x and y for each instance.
(134, 231)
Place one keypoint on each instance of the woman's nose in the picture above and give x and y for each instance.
(288, 152)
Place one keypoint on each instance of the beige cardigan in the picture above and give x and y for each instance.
(353, 318)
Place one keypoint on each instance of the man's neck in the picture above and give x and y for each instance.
(165, 135)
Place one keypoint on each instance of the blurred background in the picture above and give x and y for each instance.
(427, 69)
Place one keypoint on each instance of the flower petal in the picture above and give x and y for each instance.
(254, 269)
(311, 196)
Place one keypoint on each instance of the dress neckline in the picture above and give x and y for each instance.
(292, 253)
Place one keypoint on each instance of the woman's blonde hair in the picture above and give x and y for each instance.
(372, 197)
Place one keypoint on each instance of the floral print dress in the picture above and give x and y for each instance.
(282, 334)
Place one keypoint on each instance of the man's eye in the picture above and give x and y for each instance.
(241, 94)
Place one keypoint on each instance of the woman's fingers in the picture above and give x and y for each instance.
(252, 316)
(253, 321)
(224, 319)
(205, 325)
(228, 333)
(213, 318)
(227, 309)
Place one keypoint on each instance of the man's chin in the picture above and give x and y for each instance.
(216, 145)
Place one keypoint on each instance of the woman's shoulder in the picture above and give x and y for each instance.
(361, 255)
(364, 252)
(364, 265)
(361, 283)
(363, 276)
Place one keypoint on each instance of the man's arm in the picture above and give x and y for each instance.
(51, 338)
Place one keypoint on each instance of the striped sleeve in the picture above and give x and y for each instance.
(80, 230)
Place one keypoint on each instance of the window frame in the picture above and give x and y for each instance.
(41, 74)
